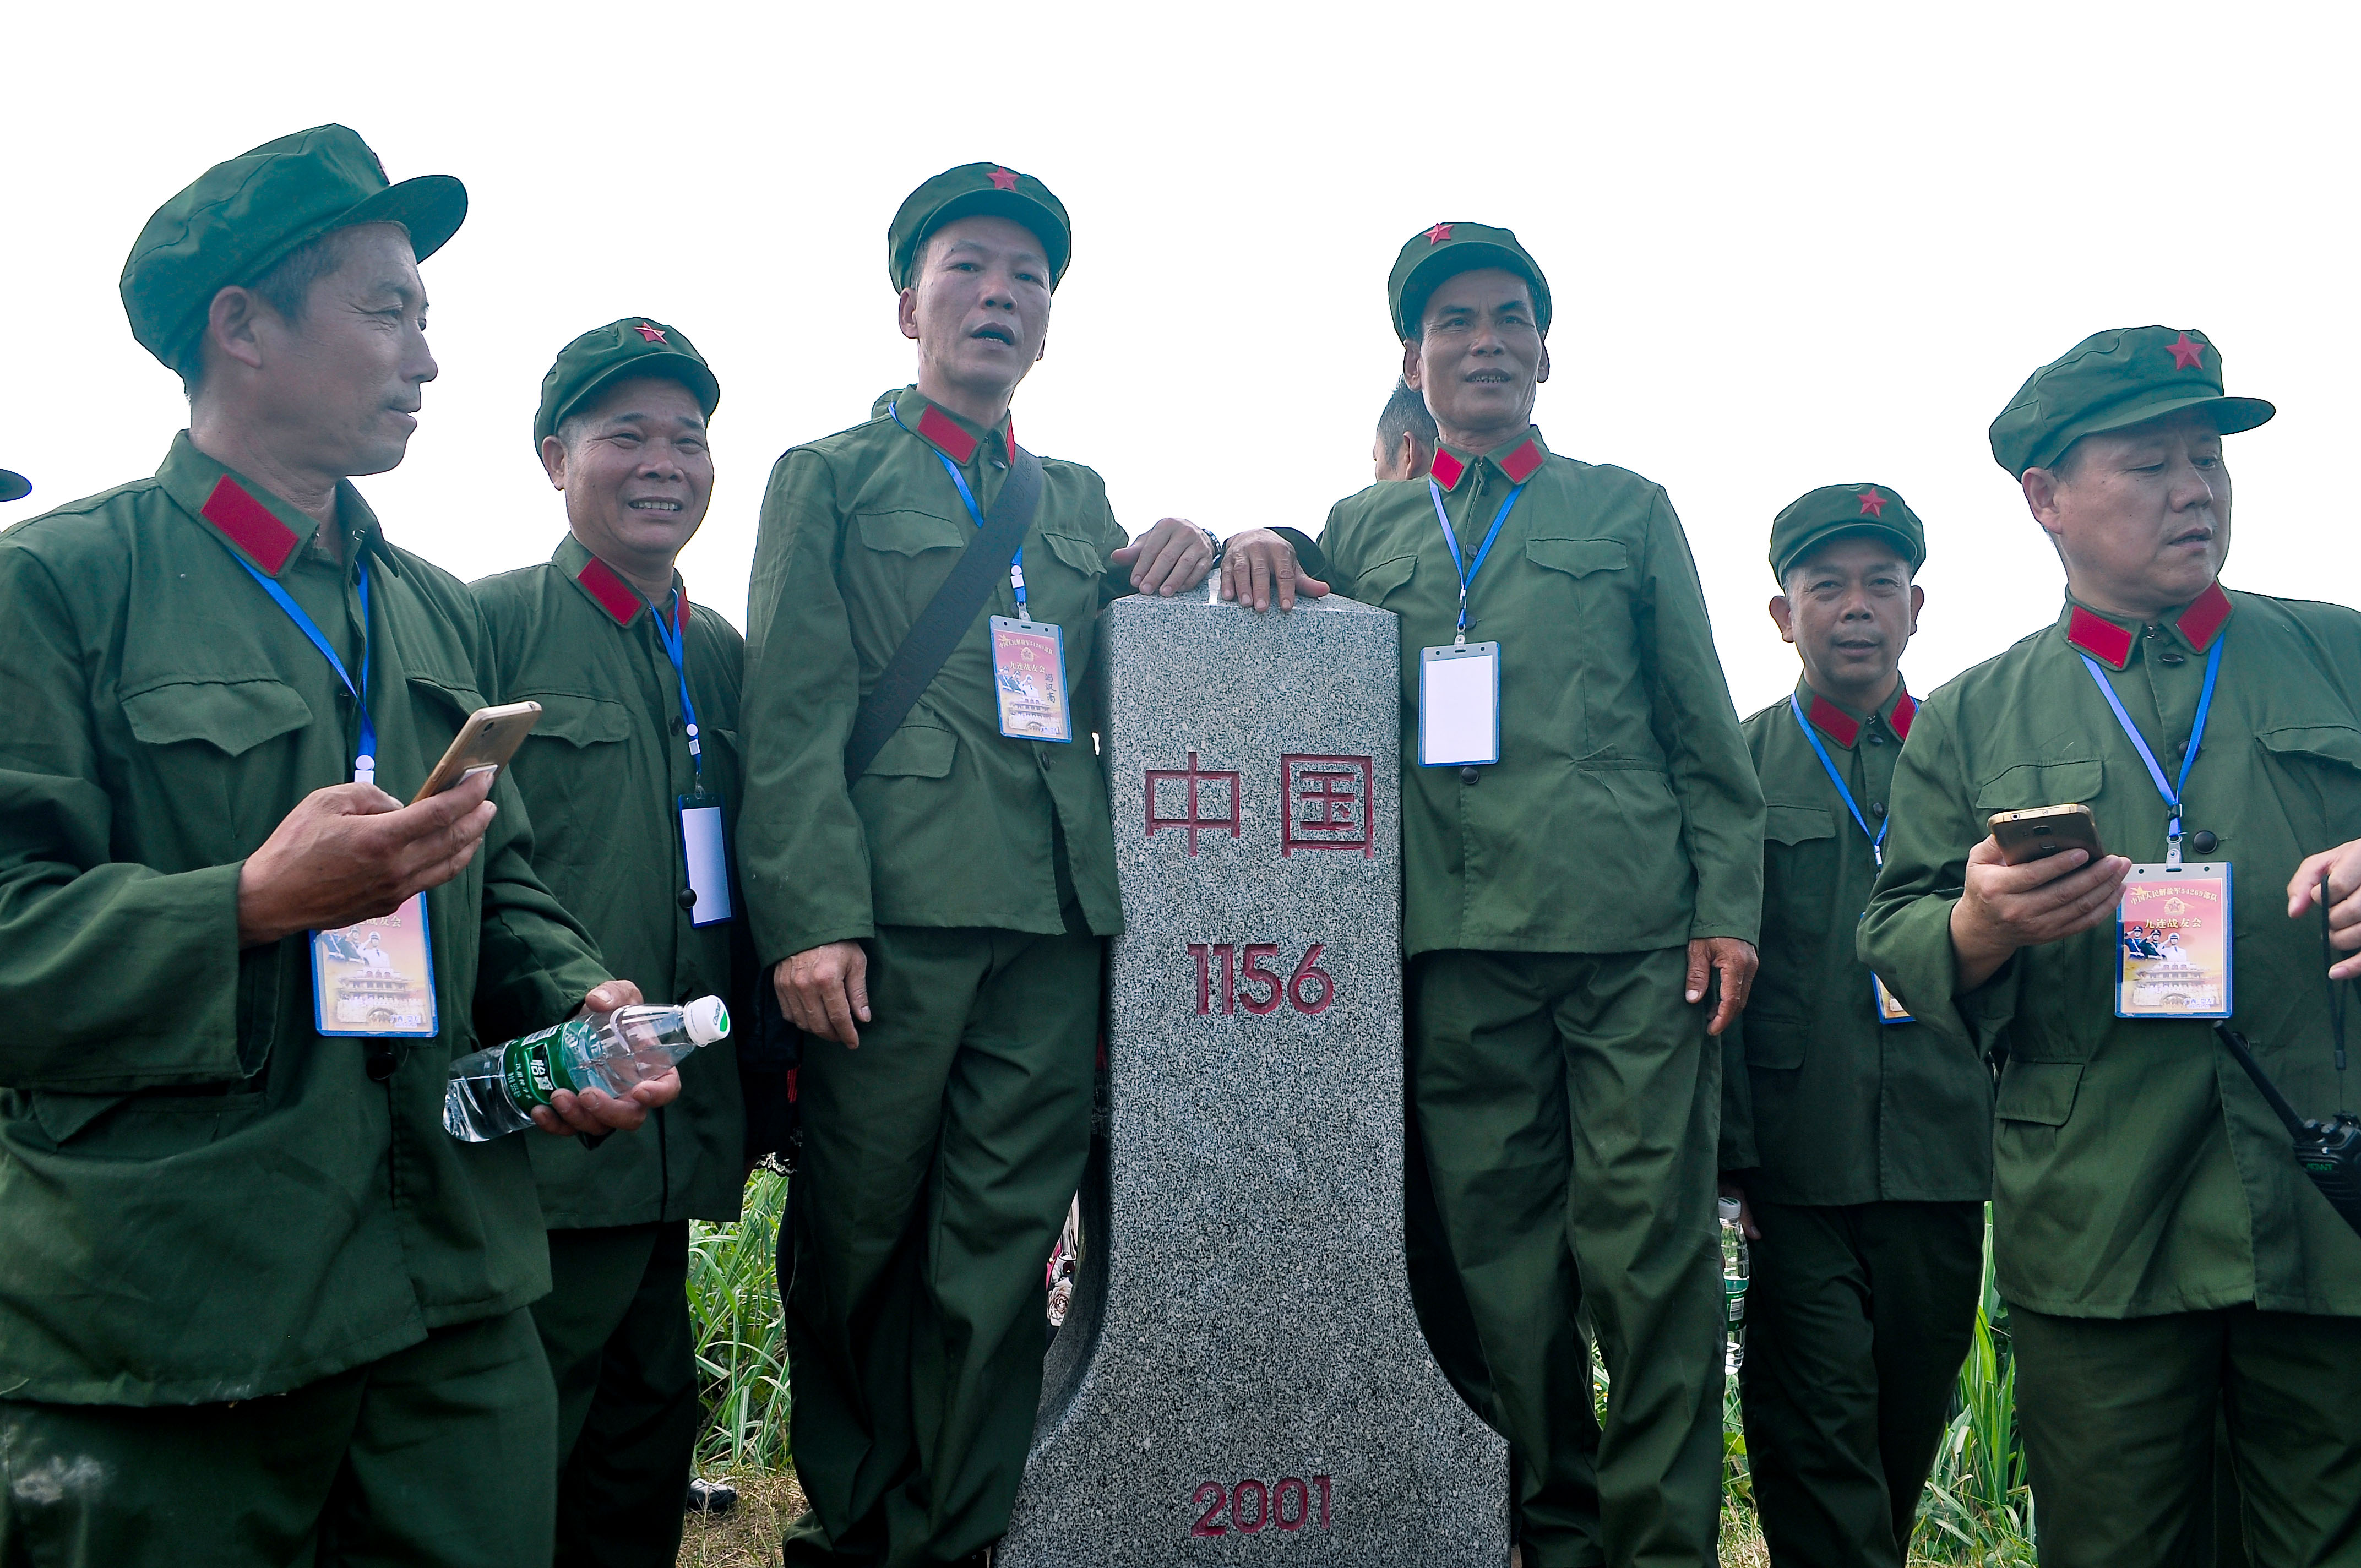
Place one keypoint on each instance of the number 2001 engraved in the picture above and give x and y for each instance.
(1285, 1505)
(1258, 990)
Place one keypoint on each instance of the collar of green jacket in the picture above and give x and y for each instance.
(951, 434)
(2110, 639)
(1844, 725)
(1518, 459)
(605, 586)
(256, 525)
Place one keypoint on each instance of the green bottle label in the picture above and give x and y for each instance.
(534, 1066)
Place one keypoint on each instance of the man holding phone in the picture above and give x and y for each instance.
(1867, 1145)
(257, 1304)
(632, 779)
(2163, 1257)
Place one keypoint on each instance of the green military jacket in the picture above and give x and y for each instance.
(2136, 1169)
(1843, 1109)
(954, 823)
(1622, 766)
(602, 774)
(201, 1197)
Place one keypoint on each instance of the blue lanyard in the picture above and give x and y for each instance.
(1467, 572)
(2174, 792)
(1876, 840)
(1016, 561)
(364, 763)
(668, 633)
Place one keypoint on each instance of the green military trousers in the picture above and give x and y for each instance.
(623, 1353)
(1568, 1105)
(437, 1456)
(938, 1160)
(1858, 1316)
(2118, 1417)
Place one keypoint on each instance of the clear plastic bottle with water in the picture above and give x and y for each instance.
(1734, 1272)
(494, 1091)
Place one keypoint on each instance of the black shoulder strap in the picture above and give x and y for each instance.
(947, 616)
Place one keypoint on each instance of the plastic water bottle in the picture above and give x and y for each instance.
(1733, 1286)
(494, 1091)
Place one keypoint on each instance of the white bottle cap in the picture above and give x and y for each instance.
(708, 1020)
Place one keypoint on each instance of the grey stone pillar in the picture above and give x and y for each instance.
(1241, 1378)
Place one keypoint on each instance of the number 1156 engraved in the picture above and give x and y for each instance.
(1230, 978)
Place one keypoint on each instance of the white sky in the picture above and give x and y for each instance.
(1789, 245)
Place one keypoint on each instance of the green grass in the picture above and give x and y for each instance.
(742, 1352)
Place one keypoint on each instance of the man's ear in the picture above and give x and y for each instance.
(1917, 603)
(1543, 374)
(230, 325)
(2041, 487)
(905, 311)
(1410, 369)
(553, 461)
(1783, 616)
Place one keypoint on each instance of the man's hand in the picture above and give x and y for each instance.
(2006, 907)
(1734, 961)
(594, 1111)
(1258, 567)
(353, 852)
(2343, 868)
(824, 990)
(1170, 558)
(1745, 1209)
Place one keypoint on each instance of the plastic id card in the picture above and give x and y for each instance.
(2173, 943)
(377, 977)
(707, 856)
(1889, 1007)
(1029, 673)
(1459, 705)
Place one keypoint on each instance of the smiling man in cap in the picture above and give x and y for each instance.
(1865, 1160)
(1582, 858)
(2163, 1256)
(259, 1305)
(635, 758)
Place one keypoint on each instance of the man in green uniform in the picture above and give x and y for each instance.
(638, 737)
(938, 917)
(1405, 443)
(259, 1306)
(1567, 907)
(2162, 1255)
(1872, 1136)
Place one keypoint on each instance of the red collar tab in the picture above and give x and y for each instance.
(616, 597)
(944, 432)
(248, 524)
(2202, 621)
(2098, 637)
(1833, 721)
(1448, 469)
(1520, 464)
(1904, 713)
(679, 611)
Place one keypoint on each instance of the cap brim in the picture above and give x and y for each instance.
(431, 207)
(1449, 262)
(1819, 536)
(1057, 245)
(2231, 415)
(679, 368)
(14, 486)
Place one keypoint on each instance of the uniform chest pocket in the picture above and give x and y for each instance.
(1579, 557)
(1798, 824)
(232, 717)
(579, 720)
(1385, 578)
(2321, 765)
(2025, 786)
(1079, 553)
(911, 533)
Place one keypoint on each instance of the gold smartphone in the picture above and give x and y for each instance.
(2044, 831)
(488, 739)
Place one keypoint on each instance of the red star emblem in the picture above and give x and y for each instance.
(649, 333)
(1871, 503)
(2188, 353)
(1438, 233)
(1003, 179)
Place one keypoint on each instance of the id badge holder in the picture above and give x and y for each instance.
(1029, 676)
(2172, 942)
(375, 978)
(1459, 705)
(1889, 1007)
(707, 856)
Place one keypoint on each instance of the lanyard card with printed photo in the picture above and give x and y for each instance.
(707, 856)
(1889, 1007)
(376, 977)
(1029, 673)
(1459, 705)
(2172, 942)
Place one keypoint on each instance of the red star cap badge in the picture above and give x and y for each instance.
(649, 333)
(1438, 233)
(1004, 178)
(1872, 504)
(2188, 353)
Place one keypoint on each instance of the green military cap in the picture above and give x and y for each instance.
(2111, 379)
(14, 486)
(632, 346)
(974, 188)
(1818, 515)
(240, 218)
(1434, 254)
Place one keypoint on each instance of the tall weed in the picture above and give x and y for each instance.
(742, 1351)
